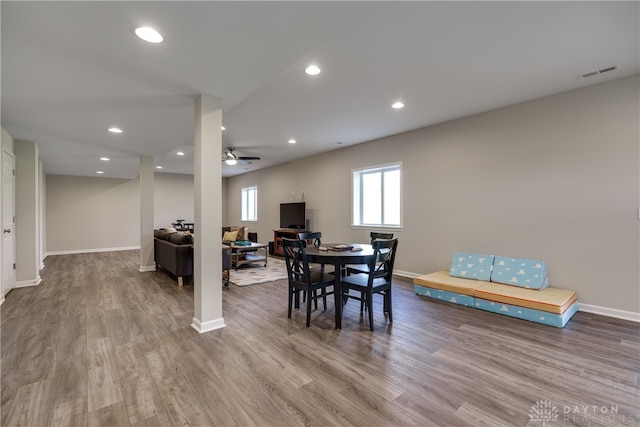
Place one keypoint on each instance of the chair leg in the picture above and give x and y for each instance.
(290, 301)
(309, 310)
(297, 296)
(324, 298)
(387, 298)
(362, 301)
(370, 307)
(315, 299)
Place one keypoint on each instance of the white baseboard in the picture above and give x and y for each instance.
(207, 326)
(26, 283)
(611, 312)
(146, 268)
(587, 308)
(406, 274)
(87, 251)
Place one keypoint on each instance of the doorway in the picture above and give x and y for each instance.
(8, 222)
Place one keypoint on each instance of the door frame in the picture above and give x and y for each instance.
(10, 251)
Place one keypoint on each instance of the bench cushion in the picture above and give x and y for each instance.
(552, 300)
(453, 297)
(524, 273)
(443, 281)
(471, 266)
(538, 316)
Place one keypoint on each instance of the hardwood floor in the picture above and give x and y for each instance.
(100, 344)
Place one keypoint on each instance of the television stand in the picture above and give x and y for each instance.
(289, 233)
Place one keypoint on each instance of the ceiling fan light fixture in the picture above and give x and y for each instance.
(231, 162)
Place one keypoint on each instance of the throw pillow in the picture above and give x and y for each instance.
(230, 236)
(240, 231)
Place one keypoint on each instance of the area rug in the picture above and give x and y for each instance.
(253, 274)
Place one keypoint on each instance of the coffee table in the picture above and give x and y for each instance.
(251, 254)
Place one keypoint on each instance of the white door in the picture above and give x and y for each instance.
(8, 223)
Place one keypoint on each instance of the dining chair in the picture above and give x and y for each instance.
(363, 268)
(376, 281)
(315, 238)
(301, 278)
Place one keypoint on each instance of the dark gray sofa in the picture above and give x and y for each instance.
(174, 253)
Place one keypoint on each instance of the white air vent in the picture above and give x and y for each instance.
(600, 71)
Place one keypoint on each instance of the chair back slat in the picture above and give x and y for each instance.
(295, 256)
(315, 237)
(381, 264)
(377, 235)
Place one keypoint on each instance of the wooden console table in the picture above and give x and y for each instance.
(289, 233)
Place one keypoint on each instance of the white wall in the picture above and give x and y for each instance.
(173, 198)
(97, 213)
(553, 179)
(90, 214)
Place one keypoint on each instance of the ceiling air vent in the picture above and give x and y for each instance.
(600, 71)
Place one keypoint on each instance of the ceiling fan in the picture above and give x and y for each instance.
(231, 158)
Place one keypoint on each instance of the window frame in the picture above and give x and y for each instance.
(358, 211)
(244, 195)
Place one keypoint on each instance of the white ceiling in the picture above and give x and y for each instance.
(70, 70)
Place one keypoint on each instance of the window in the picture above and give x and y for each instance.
(377, 198)
(250, 204)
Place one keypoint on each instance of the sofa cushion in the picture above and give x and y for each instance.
(471, 266)
(230, 236)
(552, 300)
(181, 239)
(162, 234)
(524, 273)
(443, 281)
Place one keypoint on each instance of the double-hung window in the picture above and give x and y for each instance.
(250, 203)
(377, 196)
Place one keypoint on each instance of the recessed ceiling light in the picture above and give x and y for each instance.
(292, 141)
(158, 167)
(312, 70)
(180, 153)
(222, 128)
(99, 172)
(397, 105)
(105, 159)
(115, 130)
(148, 34)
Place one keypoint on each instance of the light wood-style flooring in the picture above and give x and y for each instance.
(100, 344)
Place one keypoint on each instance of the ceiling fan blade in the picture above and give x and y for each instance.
(248, 158)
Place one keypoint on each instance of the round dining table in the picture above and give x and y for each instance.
(349, 253)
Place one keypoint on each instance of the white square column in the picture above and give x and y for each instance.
(147, 258)
(207, 253)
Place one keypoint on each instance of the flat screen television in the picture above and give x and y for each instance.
(292, 215)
